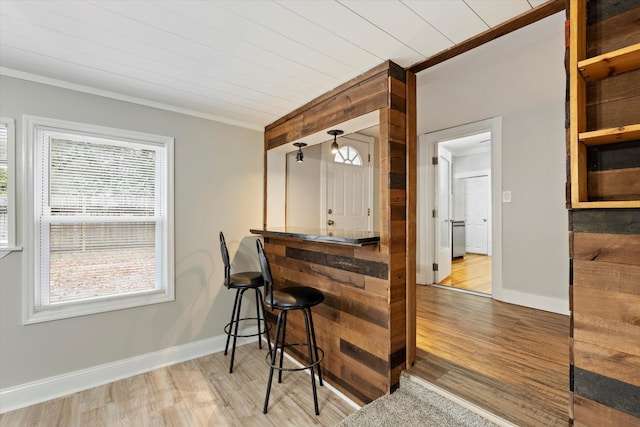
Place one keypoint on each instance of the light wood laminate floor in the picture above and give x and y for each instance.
(510, 360)
(471, 272)
(195, 393)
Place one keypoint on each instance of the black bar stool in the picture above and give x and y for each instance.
(285, 300)
(242, 282)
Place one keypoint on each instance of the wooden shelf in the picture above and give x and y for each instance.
(611, 135)
(610, 63)
(607, 204)
(616, 188)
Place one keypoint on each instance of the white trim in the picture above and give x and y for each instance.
(22, 395)
(458, 400)
(538, 302)
(425, 255)
(31, 312)
(472, 174)
(10, 124)
(127, 98)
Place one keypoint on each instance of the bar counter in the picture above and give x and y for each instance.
(339, 236)
(354, 323)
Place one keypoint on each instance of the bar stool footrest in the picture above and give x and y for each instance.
(228, 328)
(269, 357)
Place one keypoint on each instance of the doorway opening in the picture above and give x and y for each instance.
(458, 215)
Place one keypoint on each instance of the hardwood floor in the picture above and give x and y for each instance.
(472, 273)
(198, 392)
(510, 360)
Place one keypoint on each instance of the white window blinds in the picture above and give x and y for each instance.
(102, 216)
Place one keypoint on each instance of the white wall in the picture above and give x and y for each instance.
(521, 78)
(303, 188)
(218, 186)
(534, 225)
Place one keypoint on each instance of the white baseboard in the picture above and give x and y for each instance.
(27, 394)
(539, 302)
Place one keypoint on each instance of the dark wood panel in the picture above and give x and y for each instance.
(620, 112)
(612, 221)
(614, 88)
(622, 155)
(611, 25)
(615, 394)
(362, 356)
(366, 267)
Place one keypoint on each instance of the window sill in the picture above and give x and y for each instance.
(6, 251)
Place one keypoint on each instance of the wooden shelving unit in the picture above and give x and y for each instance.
(582, 71)
(610, 63)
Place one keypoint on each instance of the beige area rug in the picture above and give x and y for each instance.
(413, 404)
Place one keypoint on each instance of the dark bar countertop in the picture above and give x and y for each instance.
(339, 236)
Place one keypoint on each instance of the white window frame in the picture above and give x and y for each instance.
(339, 157)
(34, 313)
(11, 187)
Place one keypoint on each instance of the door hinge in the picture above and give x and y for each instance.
(369, 157)
(433, 213)
(435, 267)
(368, 211)
(434, 160)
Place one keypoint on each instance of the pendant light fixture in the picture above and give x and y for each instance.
(299, 154)
(334, 147)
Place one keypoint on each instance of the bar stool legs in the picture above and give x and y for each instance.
(287, 299)
(231, 328)
(313, 355)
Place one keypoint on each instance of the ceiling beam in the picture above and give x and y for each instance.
(547, 9)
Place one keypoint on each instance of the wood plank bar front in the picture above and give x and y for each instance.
(362, 325)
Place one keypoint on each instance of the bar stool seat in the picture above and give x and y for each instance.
(242, 282)
(287, 299)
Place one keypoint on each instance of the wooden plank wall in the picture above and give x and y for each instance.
(605, 243)
(606, 316)
(352, 324)
(362, 325)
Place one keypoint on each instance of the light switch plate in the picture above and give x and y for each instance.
(506, 197)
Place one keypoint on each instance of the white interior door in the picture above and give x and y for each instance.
(442, 215)
(348, 187)
(476, 214)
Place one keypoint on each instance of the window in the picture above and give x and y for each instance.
(7, 186)
(348, 155)
(102, 229)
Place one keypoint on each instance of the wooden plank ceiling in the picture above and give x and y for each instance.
(241, 62)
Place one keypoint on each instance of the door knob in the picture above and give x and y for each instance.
(484, 219)
(330, 222)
